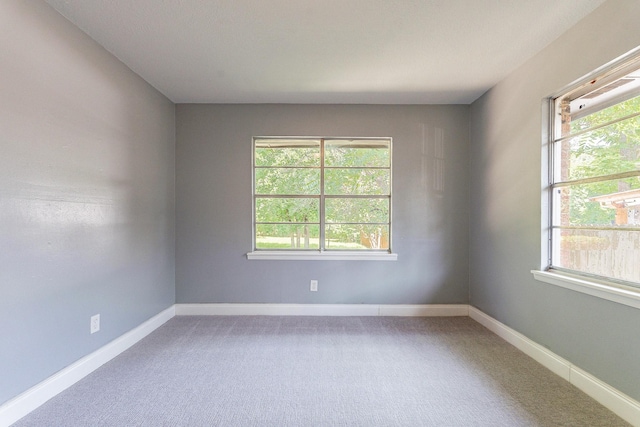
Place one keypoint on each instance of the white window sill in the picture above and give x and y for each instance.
(321, 256)
(606, 290)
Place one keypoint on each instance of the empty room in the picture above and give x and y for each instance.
(298, 213)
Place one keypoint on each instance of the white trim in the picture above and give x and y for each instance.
(614, 400)
(613, 292)
(321, 310)
(322, 256)
(424, 310)
(540, 354)
(21, 405)
(619, 403)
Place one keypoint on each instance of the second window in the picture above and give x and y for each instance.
(322, 194)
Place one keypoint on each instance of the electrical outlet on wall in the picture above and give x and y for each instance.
(313, 287)
(95, 323)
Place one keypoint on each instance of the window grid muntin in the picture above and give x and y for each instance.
(322, 196)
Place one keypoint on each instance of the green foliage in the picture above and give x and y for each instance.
(356, 181)
(303, 156)
(583, 211)
(297, 173)
(298, 210)
(347, 210)
(349, 156)
(601, 152)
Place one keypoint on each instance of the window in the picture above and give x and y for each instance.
(322, 194)
(595, 177)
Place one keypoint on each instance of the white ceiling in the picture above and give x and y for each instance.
(328, 51)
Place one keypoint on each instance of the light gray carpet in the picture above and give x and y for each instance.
(322, 371)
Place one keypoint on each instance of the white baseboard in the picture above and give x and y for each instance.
(424, 310)
(614, 400)
(16, 408)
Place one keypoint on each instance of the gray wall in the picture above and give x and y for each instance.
(505, 223)
(213, 207)
(87, 154)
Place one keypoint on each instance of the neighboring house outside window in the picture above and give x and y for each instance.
(595, 177)
(322, 194)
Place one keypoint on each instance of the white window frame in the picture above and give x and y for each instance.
(609, 289)
(321, 254)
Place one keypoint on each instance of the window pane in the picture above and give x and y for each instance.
(608, 253)
(287, 152)
(603, 116)
(614, 203)
(354, 153)
(296, 195)
(608, 150)
(287, 181)
(287, 210)
(594, 224)
(356, 236)
(298, 236)
(357, 210)
(356, 181)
